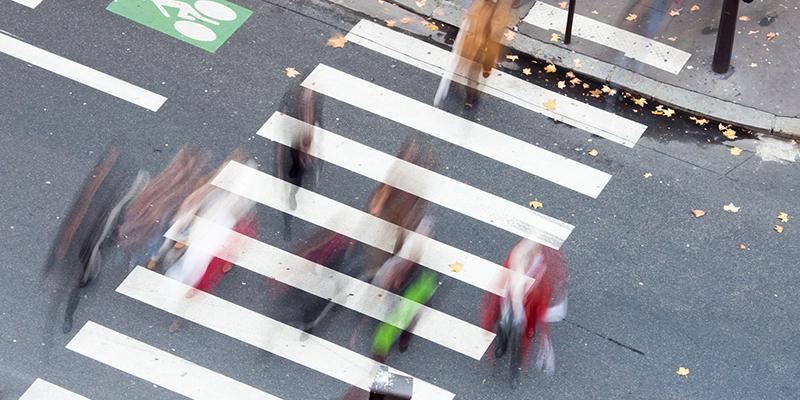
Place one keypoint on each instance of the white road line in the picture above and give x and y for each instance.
(159, 367)
(80, 73)
(450, 193)
(261, 258)
(635, 46)
(28, 3)
(361, 226)
(456, 130)
(435, 60)
(44, 390)
(260, 331)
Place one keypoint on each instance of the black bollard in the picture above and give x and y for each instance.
(570, 17)
(727, 29)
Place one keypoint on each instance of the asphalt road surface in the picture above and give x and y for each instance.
(651, 287)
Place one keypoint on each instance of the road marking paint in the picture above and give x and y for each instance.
(80, 73)
(28, 3)
(260, 331)
(372, 301)
(435, 60)
(157, 366)
(456, 130)
(44, 390)
(635, 46)
(421, 182)
(361, 226)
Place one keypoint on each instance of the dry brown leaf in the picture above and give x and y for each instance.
(784, 217)
(512, 57)
(648, 175)
(563, 4)
(699, 121)
(593, 152)
(554, 37)
(729, 133)
(683, 371)
(536, 204)
(695, 8)
(562, 84)
(744, 18)
(291, 72)
(585, 86)
(631, 17)
(526, 71)
(698, 213)
(336, 41)
(736, 151)
(731, 208)
(570, 74)
(778, 228)
(641, 102)
(550, 105)
(771, 35)
(595, 93)
(674, 13)
(575, 81)
(456, 266)
(550, 68)
(391, 23)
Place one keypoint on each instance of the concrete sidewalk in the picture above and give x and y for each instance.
(660, 49)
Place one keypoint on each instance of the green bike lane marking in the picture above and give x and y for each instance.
(206, 24)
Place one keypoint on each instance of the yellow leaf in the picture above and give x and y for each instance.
(593, 152)
(682, 371)
(784, 217)
(526, 71)
(595, 93)
(510, 35)
(570, 74)
(456, 266)
(512, 57)
(585, 86)
(695, 8)
(291, 72)
(554, 37)
(729, 133)
(648, 175)
(736, 151)
(698, 213)
(771, 35)
(674, 13)
(550, 68)
(536, 204)
(631, 17)
(731, 208)
(699, 121)
(668, 112)
(563, 5)
(391, 23)
(778, 229)
(575, 81)
(744, 18)
(336, 41)
(433, 27)
(640, 101)
(562, 84)
(550, 105)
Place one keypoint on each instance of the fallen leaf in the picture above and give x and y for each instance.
(609, 91)
(648, 175)
(744, 18)
(742, 246)
(526, 71)
(337, 41)
(668, 112)
(391, 23)
(550, 105)
(550, 68)
(593, 152)
(562, 84)
(674, 13)
(554, 37)
(510, 35)
(575, 81)
(736, 151)
(596, 93)
(577, 63)
(698, 213)
(536, 204)
(512, 57)
(699, 121)
(695, 8)
(421, 3)
(753, 65)
(585, 86)
(595, 12)
(406, 20)
(729, 133)
(672, 38)
(291, 72)
(731, 208)
(722, 126)
(631, 17)
(432, 27)
(563, 5)
(456, 266)
(784, 217)
(778, 228)
(683, 371)
(771, 35)
(640, 101)
(570, 74)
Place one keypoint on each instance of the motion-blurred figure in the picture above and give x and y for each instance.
(516, 317)
(293, 163)
(477, 47)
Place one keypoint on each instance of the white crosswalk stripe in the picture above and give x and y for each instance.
(366, 228)
(260, 331)
(360, 296)
(435, 60)
(635, 46)
(28, 3)
(80, 73)
(44, 390)
(456, 130)
(159, 367)
(421, 182)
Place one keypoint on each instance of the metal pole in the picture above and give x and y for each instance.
(725, 35)
(570, 17)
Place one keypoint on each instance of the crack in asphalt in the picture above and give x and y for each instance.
(612, 340)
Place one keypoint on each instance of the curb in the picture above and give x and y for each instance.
(673, 96)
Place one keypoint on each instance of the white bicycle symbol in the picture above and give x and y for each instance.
(203, 10)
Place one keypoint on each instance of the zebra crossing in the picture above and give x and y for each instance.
(173, 373)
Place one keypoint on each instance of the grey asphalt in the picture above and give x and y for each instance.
(651, 287)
